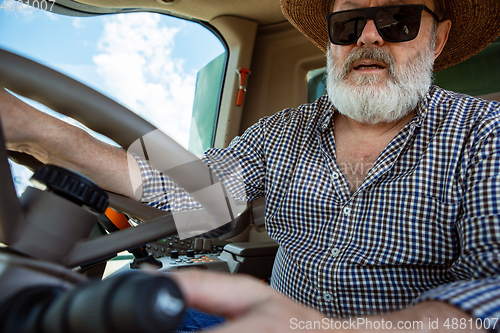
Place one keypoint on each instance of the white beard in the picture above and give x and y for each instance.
(370, 99)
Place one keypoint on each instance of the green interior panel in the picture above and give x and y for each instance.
(206, 105)
(478, 75)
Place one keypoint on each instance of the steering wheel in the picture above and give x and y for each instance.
(98, 112)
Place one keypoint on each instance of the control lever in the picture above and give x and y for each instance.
(125, 303)
(142, 256)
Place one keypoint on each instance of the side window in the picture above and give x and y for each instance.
(167, 70)
(316, 84)
(476, 76)
(206, 105)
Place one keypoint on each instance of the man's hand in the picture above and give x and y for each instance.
(248, 304)
(53, 141)
(251, 306)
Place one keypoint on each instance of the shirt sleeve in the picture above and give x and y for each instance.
(240, 163)
(159, 191)
(476, 289)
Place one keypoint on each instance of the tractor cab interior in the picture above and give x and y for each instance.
(200, 71)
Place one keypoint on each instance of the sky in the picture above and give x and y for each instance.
(145, 61)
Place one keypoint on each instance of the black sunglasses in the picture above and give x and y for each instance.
(394, 23)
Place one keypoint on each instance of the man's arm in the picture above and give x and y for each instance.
(251, 306)
(53, 141)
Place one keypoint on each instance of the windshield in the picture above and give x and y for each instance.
(148, 62)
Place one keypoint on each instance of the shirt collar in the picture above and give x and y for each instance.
(326, 118)
(425, 104)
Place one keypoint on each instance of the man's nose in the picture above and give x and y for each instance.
(370, 36)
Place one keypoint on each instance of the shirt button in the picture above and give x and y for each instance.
(327, 297)
(347, 210)
(335, 175)
(335, 252)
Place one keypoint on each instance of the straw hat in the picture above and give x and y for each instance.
(475, 25)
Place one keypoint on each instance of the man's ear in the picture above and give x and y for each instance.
(441, 37)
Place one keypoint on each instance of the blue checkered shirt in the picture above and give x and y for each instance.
(424, 224)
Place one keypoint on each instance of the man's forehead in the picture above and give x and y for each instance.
(351, 4)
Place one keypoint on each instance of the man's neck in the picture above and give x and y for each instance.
(358, 145)
(368, 132)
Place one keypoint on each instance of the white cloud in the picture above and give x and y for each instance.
(136, 64)
(77, 23)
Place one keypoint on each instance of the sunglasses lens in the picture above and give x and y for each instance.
(346, 27)
(398, 24)
(394, 23)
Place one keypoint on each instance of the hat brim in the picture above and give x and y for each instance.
(475, 25)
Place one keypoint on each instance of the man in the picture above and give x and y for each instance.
(382, 195)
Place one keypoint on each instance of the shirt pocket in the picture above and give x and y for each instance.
(407, 230)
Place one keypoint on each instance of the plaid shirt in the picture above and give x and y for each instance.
(424, 224)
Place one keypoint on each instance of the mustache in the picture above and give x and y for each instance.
(373, 53)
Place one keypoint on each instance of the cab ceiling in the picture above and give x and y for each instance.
(264, 12)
